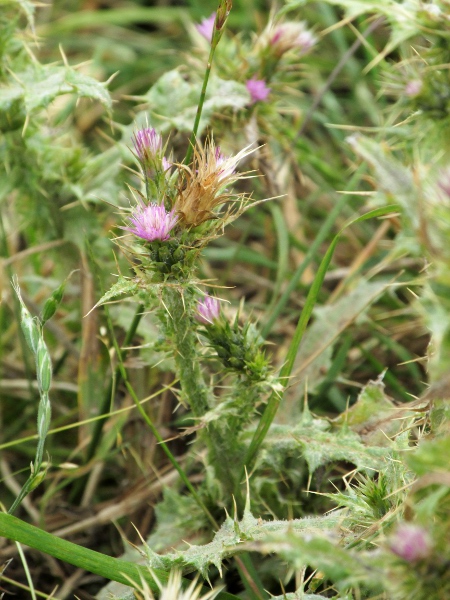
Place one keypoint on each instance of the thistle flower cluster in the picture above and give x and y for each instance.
(208, 310)
(166, 218)
(257, 89)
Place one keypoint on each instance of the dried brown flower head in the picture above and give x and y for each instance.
(203, 185)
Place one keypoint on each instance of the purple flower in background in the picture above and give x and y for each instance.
(206, 27)
(291, 35)
(444, 181)
(152, 222)
(410, 542)
(208, 310)
(258, 90)
(413, 87)
(147, 143)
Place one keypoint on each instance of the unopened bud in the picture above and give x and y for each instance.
(43, 366)
(52, 303)
(411, 542)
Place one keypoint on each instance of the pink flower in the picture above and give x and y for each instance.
(258, 90)
(206, 27)
(289, 36)
(147, 143)
(413, 88)
(410, 542)
(152, 222)
(208, 310)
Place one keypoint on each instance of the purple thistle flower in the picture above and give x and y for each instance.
(410, 542)
(257, 89)
(206, 27)
(152, 222)
(208, 310)
(147, 143)
(289, 36)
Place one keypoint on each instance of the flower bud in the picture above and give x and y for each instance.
(208, 310)
(43, 366)
(410, 542)
(52, 303)
(30, 329)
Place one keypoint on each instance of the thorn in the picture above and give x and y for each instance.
(64, 57)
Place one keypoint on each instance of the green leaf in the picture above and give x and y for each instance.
(314, 356)
(274, 400)
(431, 456)
(321, 447)
(373, 416)
(232, 536)
(184, 96)
(123, 287)
(35, 88)
(393, 178)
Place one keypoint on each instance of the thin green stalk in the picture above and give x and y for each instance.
(222, 13)
(113, 569)
(275, 398)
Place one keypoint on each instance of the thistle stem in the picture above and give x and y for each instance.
(195, 393)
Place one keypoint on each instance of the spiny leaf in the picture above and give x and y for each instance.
(234, 534)
(123, 287)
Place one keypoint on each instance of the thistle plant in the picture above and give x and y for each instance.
(267, 402)
(180, 215)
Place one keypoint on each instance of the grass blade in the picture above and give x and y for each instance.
(275, 399)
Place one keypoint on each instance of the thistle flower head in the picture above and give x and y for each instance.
(206, 27)
(208, 310)
(410, 542)
(152, 222)
(258, 90)
(204, 182)
(291, 36)
(147, 143)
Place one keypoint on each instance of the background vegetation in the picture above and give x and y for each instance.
(348, 489)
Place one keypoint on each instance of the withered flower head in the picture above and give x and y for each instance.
(204, 184)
